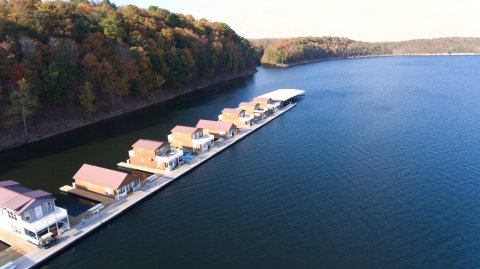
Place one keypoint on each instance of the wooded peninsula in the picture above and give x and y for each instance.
(67, 64)
(285, 52)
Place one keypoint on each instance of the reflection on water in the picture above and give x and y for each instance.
(75, 205)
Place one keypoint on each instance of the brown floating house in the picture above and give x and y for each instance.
(105, 181)
(218, 129)
(236, 116)
(190, 138)
(155, 154)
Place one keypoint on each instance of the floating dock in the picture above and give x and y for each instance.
(156, 183)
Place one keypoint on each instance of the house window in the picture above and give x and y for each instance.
(30, 233)
(27, 216)
(12, 215)
(49, 206)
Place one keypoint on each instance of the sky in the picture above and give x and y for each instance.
(367, 20)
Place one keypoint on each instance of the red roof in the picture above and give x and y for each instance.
(232, 110)
(184, 129)
(248, 104)
(148, 144)
(18, 198)
(101, 176)
(215, 125)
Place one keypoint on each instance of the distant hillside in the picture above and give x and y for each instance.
(63, 64)
(291, 51)
(434, 46)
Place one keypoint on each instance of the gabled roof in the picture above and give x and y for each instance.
(101, 176)
(17, 198)
(232, 110)
(248, 104)
(215, 125)
(184, 129)
(148, 144)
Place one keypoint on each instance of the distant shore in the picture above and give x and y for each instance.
(287, 65)
(10, 141)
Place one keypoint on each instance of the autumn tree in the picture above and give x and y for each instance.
(22, 105)
(55, 80)
(82, 55)
(86, 97)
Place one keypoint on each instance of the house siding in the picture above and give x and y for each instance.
(31, 209)
(82, 184)
(148, 156)
(181, 140)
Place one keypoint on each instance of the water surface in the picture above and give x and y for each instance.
(378, 167)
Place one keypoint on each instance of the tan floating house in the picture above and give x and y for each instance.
(190, 138)
(155, 154)
(266, 102)
(218, 129)
(105, 181)
(249, 107)
(253, 108)
(236, 116)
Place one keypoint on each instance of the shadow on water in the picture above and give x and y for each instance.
(119, 125)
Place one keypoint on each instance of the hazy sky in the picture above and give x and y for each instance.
(368, 20)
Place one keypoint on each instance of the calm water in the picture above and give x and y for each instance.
(378, 167)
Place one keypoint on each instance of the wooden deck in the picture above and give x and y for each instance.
(159, 172)
(18, 247)
(156, 183)
(106, 201)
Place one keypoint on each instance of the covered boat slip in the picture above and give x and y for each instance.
(283, 95)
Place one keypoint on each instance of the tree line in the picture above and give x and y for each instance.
(94, 56)
(287, 51)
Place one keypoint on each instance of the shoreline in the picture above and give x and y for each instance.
(20, 141)
(303, 62)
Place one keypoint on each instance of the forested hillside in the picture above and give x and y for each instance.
(284, 52)
(62, 60)
(434, 46)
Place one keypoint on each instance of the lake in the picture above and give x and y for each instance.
(377, 167)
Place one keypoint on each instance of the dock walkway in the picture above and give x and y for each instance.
(157, 183)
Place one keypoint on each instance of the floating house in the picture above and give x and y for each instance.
(267, 103)
(253, 108)
(190, 138)
(249, 107)
(155, 154)
(218, 129)
(105, 181)
(30, 214)
(236, 116)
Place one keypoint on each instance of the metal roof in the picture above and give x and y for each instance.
(215, 125)
(283, 94)
(148, 144)
(184, 129)
(101, 176)
(17, 197)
